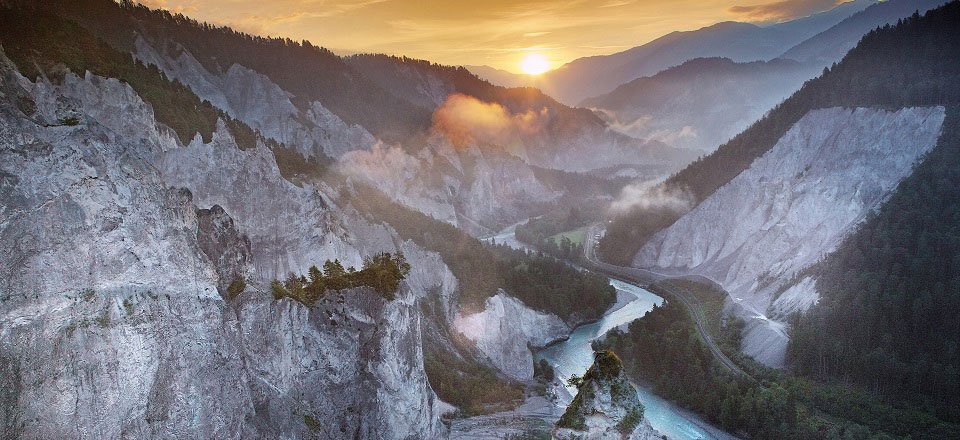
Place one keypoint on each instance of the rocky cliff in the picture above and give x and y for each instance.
(115, 239)
(756, 234)
(606, 405)
(506, 329)
(253, 98)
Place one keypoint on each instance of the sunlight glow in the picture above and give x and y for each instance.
(534, 64)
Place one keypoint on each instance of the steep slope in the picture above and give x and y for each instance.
(257, 101)
(552, 135)
(887, 294)
(832, 44)
(904, 66)
(332, 83)
(606, 405)
(738, 252)
(741, 42)
(472, 154)
(96, 345)
(792, 205)
(701, 103)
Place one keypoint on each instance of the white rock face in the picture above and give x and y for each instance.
(110, 321)
(474, 190)
(606, 407)
(256, 100)
(793, 206)
(505, 330)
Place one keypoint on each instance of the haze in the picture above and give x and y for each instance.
(497, 33)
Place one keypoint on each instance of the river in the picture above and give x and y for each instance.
(575, 355)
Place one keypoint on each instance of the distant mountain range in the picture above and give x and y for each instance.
(701, 103)
(595, 75)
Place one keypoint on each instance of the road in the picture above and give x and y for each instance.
(645, 278)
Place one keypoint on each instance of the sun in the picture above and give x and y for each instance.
(534, 64)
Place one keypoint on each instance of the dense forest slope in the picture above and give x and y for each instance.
(911, 64)
(790, 208)
(662, 349)
(830, 45)
(887, 318)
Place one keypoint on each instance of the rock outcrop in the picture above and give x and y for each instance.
(253, 98)
(606, 405)
(224, 245)
(111, 325)
(756, 234)
(506, 329)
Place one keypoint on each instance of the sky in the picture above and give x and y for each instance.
(497, 33)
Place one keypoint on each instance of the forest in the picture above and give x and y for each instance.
(339, 88)
(540, 281)
(44, 44)
(381, 272)
(540, 232)
(663, 350)
(545, 283)
(886, 320)
(908, 64)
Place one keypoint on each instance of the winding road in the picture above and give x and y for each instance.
(645, 278)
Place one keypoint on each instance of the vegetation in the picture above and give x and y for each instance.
(543, 232)
(911, 64)
(630, 422)
(886, 319)
(470, 386)
(464, 255)
(540, 281)
(382, 272)
(544, 283)
(236, 287)
(392, 73)
(663, 349)
(606, 370)
(41, 43)
(333, 83)
(544, 371)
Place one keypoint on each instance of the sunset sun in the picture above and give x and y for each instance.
(534, 64)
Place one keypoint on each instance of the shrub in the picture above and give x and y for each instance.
(382, 272)
(630, 422)
(236, 287)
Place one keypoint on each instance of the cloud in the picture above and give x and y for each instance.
(651, 196)
(782, 10)
(641, 128)
(465, 120)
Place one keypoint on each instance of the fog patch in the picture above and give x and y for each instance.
(465, 120)
(642, 127)
(651, 196)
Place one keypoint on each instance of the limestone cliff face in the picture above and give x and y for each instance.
(506, 329)
(224, 245)
(260, 103)
(756, 234)
(606, 406)
(490, 192)
(111, 325)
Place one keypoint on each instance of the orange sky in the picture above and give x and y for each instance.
(497, 33)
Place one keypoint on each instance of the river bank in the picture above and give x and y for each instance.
(573, 354)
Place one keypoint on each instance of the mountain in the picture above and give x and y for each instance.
(741, 42)
(500, 77)
(701, 103)
(164, 202)
(835, 173)
(460, 159)
(832, 44)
